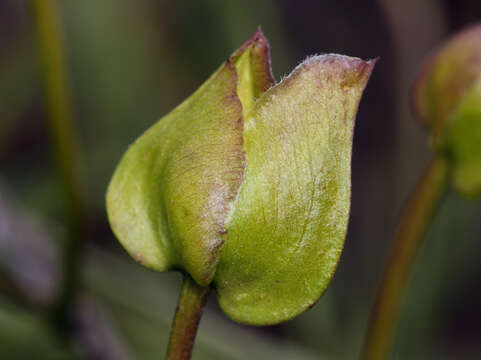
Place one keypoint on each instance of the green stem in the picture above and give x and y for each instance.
(65, 144)
(416, 219)
(186, 321)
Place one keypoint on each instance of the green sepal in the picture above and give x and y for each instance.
(173, 189)
(287, 230)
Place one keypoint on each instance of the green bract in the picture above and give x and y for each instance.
(246, 184)
(447, 97)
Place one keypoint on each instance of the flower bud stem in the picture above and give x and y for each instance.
(417, 217)
(186, 321)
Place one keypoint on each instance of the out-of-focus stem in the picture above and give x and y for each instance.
(186, 321)
(416, 219)
(65, 144)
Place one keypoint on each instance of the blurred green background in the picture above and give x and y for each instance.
(129, 63)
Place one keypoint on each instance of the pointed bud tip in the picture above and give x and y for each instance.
(258, 51)
(258, 40)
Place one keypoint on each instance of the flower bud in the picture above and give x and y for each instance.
(447, 97)
(246, 184)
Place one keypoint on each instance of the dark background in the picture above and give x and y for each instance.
(129, 63)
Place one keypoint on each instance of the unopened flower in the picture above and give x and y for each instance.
(245, 186)
(447, 97)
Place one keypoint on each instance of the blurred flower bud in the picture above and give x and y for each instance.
(447, 97)
(246, 185)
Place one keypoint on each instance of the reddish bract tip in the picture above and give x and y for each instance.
(260, 59)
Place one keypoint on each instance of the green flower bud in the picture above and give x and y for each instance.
(447, 97)
(246, 184)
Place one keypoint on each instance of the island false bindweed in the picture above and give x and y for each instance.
(245, 186)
